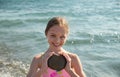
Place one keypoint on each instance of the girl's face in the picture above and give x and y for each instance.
(56, 37)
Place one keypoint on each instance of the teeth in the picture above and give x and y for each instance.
(56, 44)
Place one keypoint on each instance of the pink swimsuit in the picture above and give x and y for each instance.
(54, 73)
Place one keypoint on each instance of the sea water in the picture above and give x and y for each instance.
(94, 34)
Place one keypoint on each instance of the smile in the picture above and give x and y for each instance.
(56, 45)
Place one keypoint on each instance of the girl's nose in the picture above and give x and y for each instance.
(57, 40)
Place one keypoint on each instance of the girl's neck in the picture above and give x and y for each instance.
(56, 51)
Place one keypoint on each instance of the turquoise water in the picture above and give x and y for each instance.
(94, 34)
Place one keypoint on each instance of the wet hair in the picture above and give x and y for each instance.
(57, 21)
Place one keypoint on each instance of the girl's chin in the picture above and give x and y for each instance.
(54, 47)
(57, 48)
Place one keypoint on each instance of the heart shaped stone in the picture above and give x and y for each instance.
(57, 62)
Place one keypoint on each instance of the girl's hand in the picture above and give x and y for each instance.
(68, 65)
(45, 58)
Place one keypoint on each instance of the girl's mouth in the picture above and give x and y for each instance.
(56, 45)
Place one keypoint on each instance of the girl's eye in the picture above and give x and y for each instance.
(62, 37)
(52, 35)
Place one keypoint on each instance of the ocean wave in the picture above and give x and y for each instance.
(83, 38)
(22, 22)
(10, 23)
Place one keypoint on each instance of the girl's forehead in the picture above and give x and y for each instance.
(57, 29)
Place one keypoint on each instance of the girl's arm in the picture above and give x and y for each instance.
(77, 66)
(74, 66)
(39, 65)
(34, 66)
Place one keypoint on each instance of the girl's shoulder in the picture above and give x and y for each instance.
(72, 55)
(38, 59)
(38, 56)
(74, 59)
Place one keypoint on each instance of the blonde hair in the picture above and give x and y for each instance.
(57, 21)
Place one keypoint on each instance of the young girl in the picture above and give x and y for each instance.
(56, 33)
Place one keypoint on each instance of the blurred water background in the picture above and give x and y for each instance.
(94, 34)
